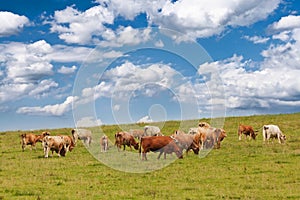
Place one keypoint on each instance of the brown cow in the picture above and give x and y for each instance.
(163, 144)
(32, 139)
(124, 138)
(212, 136)
(187, 141)
(247, 131)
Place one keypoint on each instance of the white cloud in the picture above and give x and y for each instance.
(116, 107)
(257, 39)
(11, 23)
(56, 109)
(67, 70)
(74, 26)
(88, 122)
(286, 23)
(215, 16)
(125, 36)
(270, 84)
(145, 119)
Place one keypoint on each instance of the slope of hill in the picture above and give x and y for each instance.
(244, 169)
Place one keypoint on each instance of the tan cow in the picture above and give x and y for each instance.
(187, 141)
(32, 139)
(55, 143)
(212, 136)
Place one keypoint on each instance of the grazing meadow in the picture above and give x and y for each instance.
(246, 169)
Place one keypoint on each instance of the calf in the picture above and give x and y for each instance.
(104, 143)
(32, 139)
(54, 143)
(162, 144)
(247, 131)
(124, 138)
(273, 131)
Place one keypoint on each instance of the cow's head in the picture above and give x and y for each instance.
(253, 135)
(266, 127)
(282, 138)
(203, 125)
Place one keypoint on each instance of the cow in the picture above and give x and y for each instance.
(32, 139)
(69, 142)
(104, 143)
(83, 134)
(162, 144)
(211, 136)
(187, 141)
(152, 131)
(137, 133)
(55, 143)
(124, 138)
(247, 131)
(273, 131)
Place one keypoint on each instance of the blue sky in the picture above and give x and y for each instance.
(84, 63)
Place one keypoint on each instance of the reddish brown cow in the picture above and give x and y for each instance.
(247, 131)
(187, 141)
(124, 138)
(212, 136)
(163, 144)
(32, 139)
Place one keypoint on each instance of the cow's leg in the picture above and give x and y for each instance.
(278, 136)
(165, 155)
(159, 155)
(46, 152)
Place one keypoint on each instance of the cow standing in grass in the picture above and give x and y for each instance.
(32, 139)
(104, 143)
(125, 139)
(187, 141)
(273, 131)
(83, 134)
(247, 131)
(161, 144)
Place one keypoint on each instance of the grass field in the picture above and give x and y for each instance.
(244, 169)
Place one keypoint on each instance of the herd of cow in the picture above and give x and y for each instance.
(150, 139)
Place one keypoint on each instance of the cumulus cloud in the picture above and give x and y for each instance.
(145, 119)
(90, 26)
(11, 23)
(56, 109)
(257, 39)
(88, 122)
(27, 68)
(286, 23)
(74, 26)
(67, 70)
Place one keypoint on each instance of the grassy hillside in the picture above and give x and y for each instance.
(244, 169)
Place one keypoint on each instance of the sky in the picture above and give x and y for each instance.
(86, 63)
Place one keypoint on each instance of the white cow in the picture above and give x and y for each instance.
(152, 131)
(83, 134)
(273, 131)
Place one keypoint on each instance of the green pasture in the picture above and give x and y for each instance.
(244, 169)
